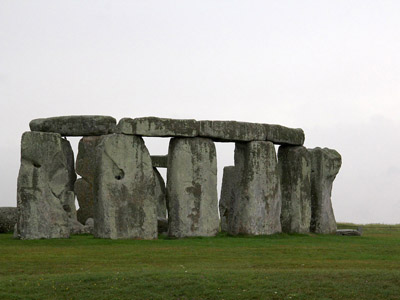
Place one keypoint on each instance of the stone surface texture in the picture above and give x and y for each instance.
(283, 135)
(43, 192)
(256, 207)
(192, 188)
(162, 127)
(86, 167)
(8, 219)
(232, 131)
(159, 161)
(160, 195)
(75, 125)
(124, 199)
(325, 165)
(295, 177)
(227, 195)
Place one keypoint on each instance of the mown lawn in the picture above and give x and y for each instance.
(269, 267)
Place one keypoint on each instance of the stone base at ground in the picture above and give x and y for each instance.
(8, 219)
(227, 196)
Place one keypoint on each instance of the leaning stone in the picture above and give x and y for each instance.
(43, 193)
(192, 188)
(295, 170)
(159, 161)
(86, 167)
(160, 195)
(283, 135)
(8, 218)
(75, 125)
(325, 164)
(162, 127)
(232, 131)
(256, 207)
(227, 196)
(125, 205)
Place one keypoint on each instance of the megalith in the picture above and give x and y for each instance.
(124, 199)
(44, 195)
(160, 195)
(227, 195)
(295, 177)
(257, 199)
(8, 219)
(86, 167)
(325, 165)
(192, 188)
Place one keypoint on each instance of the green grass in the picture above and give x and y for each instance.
(269, 267)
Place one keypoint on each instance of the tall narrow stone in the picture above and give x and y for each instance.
(257, 200)
(295, 171)
(192, 188)
(325, 165)
(160, 194)
(227, 196)
(44, 197)
(86, 167)
(124, 199)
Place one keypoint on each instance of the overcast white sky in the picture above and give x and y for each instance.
(329, 67)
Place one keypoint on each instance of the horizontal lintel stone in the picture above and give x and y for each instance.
(75, 125)
(158, 127)
(282, 135)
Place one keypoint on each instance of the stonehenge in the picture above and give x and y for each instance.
(122, 195)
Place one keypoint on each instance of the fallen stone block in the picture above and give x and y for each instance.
(159, 161)
(232, 131)
(348, 232)
(192, 188)
(256, 207)
(44, 180)
(75, 125)
(283, 135)
(8, 219)
(325, 165)
(161, 127)
(124, 197)
(295, 176)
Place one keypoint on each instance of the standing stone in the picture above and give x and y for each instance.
(256, 207)
(192, 188)
(325, 164)
(8, 219)
(160, 195)
(124, 199)
(86, 167)
(43, 192)
(295, 171)
(227, 196)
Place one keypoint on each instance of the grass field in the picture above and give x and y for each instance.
(269, 267)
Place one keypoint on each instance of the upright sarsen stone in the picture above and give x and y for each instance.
(227, 196)
(160, 194)
(124, 200)
(325, 164)
(192, 188)
(43, 194)
(257, 201)
(295, 171)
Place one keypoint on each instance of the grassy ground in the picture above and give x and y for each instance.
(273, 267)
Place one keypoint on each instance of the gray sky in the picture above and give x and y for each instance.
(329, 67)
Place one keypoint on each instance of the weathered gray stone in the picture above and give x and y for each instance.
(283, 135)
(152, 126)
(256, 207)
(227, 196)
(44, 180)
(89, 225)
(75, 125)
(84, 194)
(86, 167)
(325, 164)
(124, 200)
(192, 188)
(8, 219)
(295, 170)
(159, 161)
(232, 131)
(76, 227)
(348, 232)
(160, 195)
